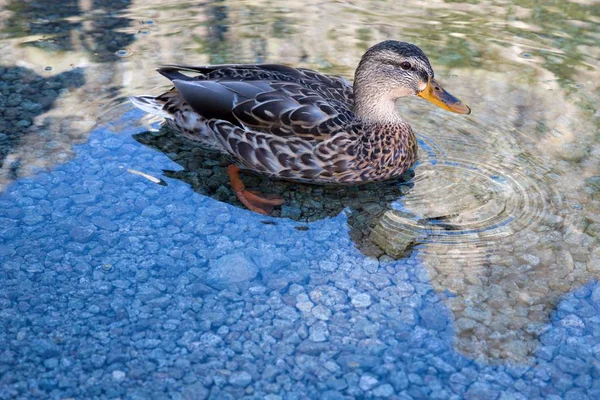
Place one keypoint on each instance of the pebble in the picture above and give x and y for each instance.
(118, 376)
(303, 303)
(195, 391)
(572, 321)
(481, 391)
(332, 395)
(318, 332)
(240, 379)
(45, 348)
(231, 269)
(385, 390)
(367, 382)
(571, 151)
(361, 300)
(321, 312)
(82, 234)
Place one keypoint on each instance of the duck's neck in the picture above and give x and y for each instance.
(376, 111)
(376, 103)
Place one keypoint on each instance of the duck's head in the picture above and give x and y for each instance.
(390, 70)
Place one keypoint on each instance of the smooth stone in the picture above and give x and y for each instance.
(321, 312)
(367, 382)
(118, 375)
(572, 321)
(385, 390)
(240, 379)
(481, 391)
(45, 348)
(332, 395)
(318, 332)
(195, 391)
(82, 234)
(231, 269)
(361, 300)
(571, 151)
(104, 223)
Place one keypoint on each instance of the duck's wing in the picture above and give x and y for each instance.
(285, 109)
(329, 86)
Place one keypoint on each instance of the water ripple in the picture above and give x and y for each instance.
(461, 201)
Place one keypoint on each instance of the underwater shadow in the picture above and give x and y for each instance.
(364, 205)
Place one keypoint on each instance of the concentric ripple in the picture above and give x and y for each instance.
(463, 201)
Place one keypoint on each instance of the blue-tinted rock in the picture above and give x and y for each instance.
(367, 382)
(104, 223)
(576, 394)
(442, 366)
(32, 219)
(98, 360)
(86, 198)
(571, 366)
(45, 348)
(418, 392)
(51, 363)
(153, 212)
(404, 289)
(82, 234)
(230, 270)
(37, 193)
(432, 318)
(399, 380)
(319, 332)
(112, 143)
(271, 260)
(481, 391)
(361, 300)
(312, 348)
(386, 390)
(198, 289)
(354, 361)
(572, 321)
(546, 353)
(240, 379)
(331, 395)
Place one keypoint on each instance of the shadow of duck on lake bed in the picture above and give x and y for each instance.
(365, 205)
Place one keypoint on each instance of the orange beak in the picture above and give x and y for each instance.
(435, 93)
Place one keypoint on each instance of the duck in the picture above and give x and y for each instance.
(301, 125)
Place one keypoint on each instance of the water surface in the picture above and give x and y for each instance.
(129, 270)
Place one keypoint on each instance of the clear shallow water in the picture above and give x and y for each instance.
(128, 270)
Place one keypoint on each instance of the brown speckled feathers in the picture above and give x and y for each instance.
(298, 124)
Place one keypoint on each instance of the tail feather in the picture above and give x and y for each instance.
(151, 105)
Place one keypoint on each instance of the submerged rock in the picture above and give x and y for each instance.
(361, 300)
(231, 269)
(240, 379)
(367, 382)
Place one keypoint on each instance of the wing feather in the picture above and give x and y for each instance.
(275, 99)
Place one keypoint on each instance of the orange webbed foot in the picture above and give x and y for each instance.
(254, 201)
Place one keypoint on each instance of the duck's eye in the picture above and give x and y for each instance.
(405, 65)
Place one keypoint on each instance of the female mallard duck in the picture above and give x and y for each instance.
(300, 125)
